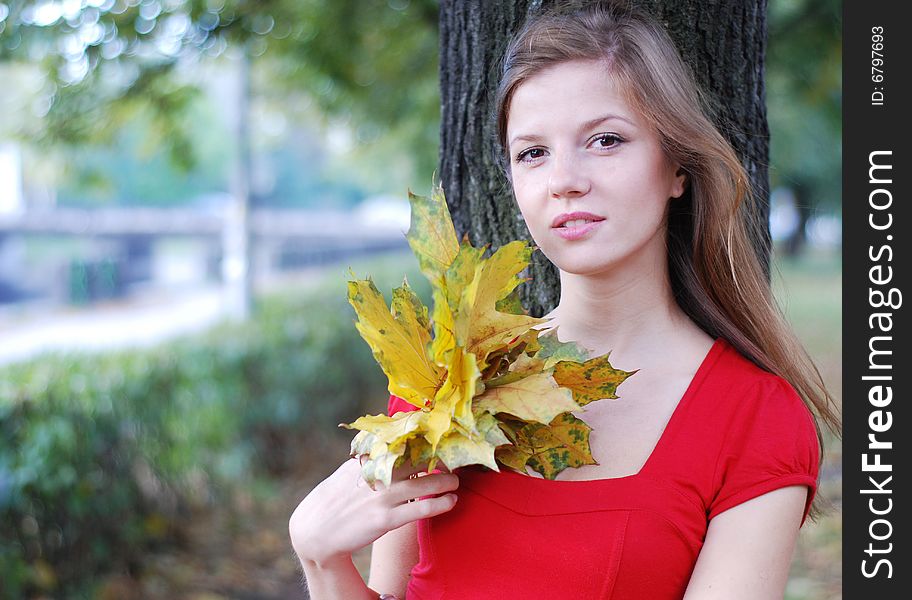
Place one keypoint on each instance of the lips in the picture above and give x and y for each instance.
(576, 225)
(575, 220)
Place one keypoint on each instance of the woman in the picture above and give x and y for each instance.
(708, 463)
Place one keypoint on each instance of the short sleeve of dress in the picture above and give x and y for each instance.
(771, 443)
(397, 404)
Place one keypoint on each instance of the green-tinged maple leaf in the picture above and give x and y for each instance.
(464, 269)
(381, 464)
(363, 441)
(398, 339)
(549, 449)
(431, 234)
(489, 428)
(385, 440)
(536, 397)
(592, 380)
(511, 357)
(386, 429)
(511, 303)
(553, 351)
(420, 453)
(461, 447)
(522, 366)
(512, 457)
(447, 296)
(457, 450)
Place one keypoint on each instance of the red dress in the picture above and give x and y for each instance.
(738, 432)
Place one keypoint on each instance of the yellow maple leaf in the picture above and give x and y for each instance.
(444, 329)
(454, 398)
(479, 326)
(592, 380)
(536, 397)
(398, 338)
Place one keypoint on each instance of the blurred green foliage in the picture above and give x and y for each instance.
(132, 170)
(369, 64)
(97, 453)
(804, 96)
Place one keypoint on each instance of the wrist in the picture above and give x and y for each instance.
(335, 578)
(325, 563)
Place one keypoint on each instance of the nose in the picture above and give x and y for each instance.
(567, 178)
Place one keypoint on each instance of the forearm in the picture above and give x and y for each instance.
(337, 579)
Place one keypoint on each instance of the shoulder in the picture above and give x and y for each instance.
(755, 408)
(743, 389)
(770, 437)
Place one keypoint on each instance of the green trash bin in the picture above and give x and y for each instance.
(78, 282)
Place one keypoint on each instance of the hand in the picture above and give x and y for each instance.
(343, 514)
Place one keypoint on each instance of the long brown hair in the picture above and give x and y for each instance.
(715, 271)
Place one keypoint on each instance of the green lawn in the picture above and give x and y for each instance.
(810, 292)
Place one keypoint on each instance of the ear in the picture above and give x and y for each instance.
(679, 184)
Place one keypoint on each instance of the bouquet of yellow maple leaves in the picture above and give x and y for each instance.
(491, 388)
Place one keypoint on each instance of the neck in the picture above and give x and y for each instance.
(619, 310)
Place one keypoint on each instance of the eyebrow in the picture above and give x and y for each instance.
(529, 137)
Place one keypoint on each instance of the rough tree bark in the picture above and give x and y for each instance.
(723, 42)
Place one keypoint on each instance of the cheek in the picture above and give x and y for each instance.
(534, 216)
(524, 199)
(528, 214)
(530, 187)
(663, 173)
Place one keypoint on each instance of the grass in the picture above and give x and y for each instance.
(810, 291)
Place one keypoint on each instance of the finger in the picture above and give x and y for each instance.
(422, 509)
(429, 485)
(407, 469)
(356, 465)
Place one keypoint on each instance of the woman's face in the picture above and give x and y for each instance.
(589, 175)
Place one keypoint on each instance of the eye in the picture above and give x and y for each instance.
(530, 155)
(605, 141)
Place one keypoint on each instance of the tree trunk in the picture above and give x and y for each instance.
(804, 206)
(723, 42)
(237, 272)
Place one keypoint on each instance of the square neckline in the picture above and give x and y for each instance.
(719, 344)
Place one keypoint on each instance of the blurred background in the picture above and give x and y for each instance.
(183, 187)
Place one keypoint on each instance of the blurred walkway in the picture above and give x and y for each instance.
(29, 330)
(145, 318)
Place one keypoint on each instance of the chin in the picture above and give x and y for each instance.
(578, 263)
(583, 268)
